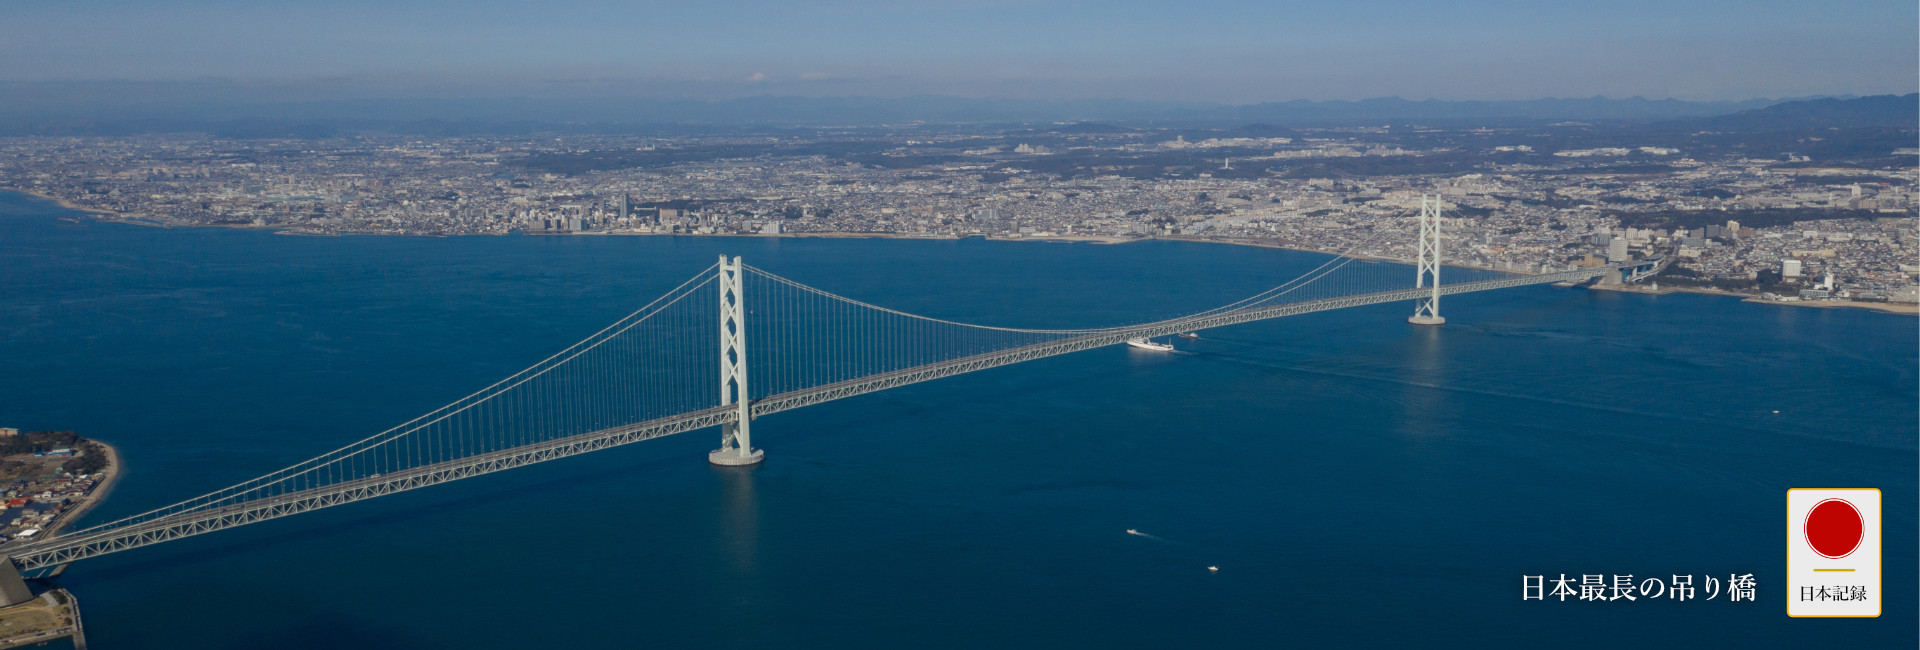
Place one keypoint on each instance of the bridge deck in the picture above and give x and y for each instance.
(83, 545)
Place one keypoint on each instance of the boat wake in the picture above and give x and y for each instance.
(1156, 538)
(1211, 568)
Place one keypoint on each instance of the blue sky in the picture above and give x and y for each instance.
(1227, 51)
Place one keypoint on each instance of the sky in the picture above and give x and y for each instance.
(1226, 51)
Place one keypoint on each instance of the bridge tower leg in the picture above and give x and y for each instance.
(1427, 310)
(736, 441)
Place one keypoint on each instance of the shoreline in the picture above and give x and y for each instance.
(104, 215)
(1895, 308)
(1378, 258)
(114, 471)
(1904, 309)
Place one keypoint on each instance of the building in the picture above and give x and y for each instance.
(1617, 250)
(8, 431)
(1789, 268)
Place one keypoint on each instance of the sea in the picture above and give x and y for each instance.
(1327, 480)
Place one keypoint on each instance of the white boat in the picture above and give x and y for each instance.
(1189, 335)
(1145, 344)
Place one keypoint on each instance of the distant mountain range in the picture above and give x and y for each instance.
(76, 108)
(1878, 111)
(1552, 109)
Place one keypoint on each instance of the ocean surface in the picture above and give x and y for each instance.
(1356, 480)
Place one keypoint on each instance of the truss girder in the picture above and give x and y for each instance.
(62, 550)
(873, 383)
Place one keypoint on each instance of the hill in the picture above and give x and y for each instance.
(1878, 111)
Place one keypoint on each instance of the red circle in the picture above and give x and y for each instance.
(1834, 528)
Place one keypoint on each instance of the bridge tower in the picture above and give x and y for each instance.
(1427, 310)
(736, 443)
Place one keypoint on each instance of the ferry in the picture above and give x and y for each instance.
(1145, 344)
(1189, 335)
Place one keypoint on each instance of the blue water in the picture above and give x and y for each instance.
(1357, 480)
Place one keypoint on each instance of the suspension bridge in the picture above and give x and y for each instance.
(683, 363)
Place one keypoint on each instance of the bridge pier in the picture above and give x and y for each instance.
(735, 456)
(736, 439)
(1426, 311)
(13, 589)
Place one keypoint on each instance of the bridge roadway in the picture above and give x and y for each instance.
(61, 550)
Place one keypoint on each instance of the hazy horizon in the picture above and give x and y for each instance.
(1224, 52)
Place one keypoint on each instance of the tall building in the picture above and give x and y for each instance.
(626, 206)
(1617, 250)
(1790, 268)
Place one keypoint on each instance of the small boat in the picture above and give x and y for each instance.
(1189, 335)
(1131, 531)
(1145, 344)
(1213, 569)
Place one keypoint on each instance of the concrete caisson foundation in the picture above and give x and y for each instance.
(733, 457)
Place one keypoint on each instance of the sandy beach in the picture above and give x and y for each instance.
(109, 216)
(1906, 309)
(114, 470)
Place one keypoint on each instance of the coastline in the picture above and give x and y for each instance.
(114, 470)
(1895, 308)
(1381, 258)
(104, 214)
(1905, 309)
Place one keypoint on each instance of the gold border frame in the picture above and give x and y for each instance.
(1879, 542)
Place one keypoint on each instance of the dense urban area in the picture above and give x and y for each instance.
(1751, 218)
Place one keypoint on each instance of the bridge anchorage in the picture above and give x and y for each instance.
(652, 374)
